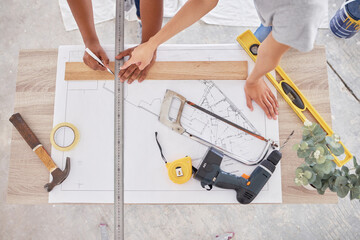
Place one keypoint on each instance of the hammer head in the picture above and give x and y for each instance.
(58, 176)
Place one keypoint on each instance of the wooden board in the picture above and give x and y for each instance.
(220, 70)
(35, 99)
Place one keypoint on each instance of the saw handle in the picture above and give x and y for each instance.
(28, 135)
(166, 105)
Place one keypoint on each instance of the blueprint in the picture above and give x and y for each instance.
(89, 106)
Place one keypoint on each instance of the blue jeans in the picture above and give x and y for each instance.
(137, 5)
(262, 32)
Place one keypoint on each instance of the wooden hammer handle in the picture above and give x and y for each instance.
(24, 130)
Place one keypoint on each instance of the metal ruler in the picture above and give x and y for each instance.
(119, 127)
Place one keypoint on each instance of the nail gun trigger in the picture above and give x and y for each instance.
(208, 187)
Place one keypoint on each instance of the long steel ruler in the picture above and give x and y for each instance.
(119, 127)
(289, 91)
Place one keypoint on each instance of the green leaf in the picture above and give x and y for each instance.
(357, 171)
(310, 160)
(345, 169)
(355, 162)
(296, 146)
(353, 179)
(318, 130)
(304, 181)
(325, 186)
(298, 182)
(343, 191)
(317, 183)
(321, 160)
(320, 191)
(304, 153)
(308, 174)
(341, 181)
(298, 171)
(304, 145)
(355, 193)
(329, 166)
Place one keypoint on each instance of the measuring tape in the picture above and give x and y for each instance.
(179, 171)
(289, 91)
(119, 127)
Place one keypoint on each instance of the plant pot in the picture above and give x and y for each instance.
(310, 187)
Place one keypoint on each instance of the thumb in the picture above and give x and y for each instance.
(249, 102)
(123, 54)
(127, 64)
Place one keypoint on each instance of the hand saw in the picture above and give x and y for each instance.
(176, 126)
(289, 91)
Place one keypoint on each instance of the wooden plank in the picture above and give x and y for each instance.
(192, 70)
(308, 71)
(35, 100)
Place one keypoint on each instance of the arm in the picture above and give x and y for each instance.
(191, 12)
(151, 12)
(83, 14)
(269, 55)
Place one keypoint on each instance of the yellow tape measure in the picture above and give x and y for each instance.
(289, 91)
(64, 136)
(180, 171)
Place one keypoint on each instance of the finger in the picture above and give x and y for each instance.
(121, 72)
(128, 63)
(270, 108)
(273, 97)
(273, 104)
(128, 72)
(92, 63)
(135, 75)
(124, 53)
(141, 77)
(265, 109)
(249, 102)
(104, 58)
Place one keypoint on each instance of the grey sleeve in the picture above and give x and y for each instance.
(297, 25)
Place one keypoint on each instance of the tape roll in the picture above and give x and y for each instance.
(73, 141)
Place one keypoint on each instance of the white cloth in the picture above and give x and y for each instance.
(227, 12)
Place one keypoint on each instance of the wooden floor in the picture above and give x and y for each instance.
(37, 24)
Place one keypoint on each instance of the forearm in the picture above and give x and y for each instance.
(83, 14)
(191, 12)
(151, 12)
(269, 55)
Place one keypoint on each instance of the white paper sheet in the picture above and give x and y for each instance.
(89, 106)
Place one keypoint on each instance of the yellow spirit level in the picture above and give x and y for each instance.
(289, 91)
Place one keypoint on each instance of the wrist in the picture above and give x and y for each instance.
(252, 81)
(91, 42)
(153, 42)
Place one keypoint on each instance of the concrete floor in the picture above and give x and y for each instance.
(37, 24)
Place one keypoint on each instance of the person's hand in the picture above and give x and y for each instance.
(141, 56)
(100, 53)
(262, 95)
(133, 72)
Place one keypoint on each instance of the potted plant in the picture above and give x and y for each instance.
(319, 170)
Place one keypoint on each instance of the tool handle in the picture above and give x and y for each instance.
(24, 130)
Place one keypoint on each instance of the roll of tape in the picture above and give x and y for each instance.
(73, 142)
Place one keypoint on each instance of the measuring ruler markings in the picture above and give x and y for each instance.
(119, 127)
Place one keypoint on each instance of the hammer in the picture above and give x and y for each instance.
(57, 174)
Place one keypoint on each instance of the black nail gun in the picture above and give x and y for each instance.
(246, 187)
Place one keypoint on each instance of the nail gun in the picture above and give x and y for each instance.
(246, 187)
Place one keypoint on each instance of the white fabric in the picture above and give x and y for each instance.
(227, 12)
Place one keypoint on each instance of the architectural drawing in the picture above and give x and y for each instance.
(89, 106)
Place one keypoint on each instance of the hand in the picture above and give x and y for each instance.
(132, 72)
(262, 95)
(141, 56)
(100, 53)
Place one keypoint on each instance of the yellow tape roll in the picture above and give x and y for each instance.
(180, 170)
(74, 141)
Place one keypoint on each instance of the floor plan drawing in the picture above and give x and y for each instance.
(89, 106)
